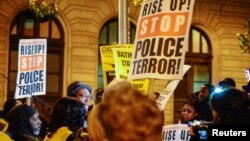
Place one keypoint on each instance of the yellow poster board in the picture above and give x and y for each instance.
(122, 57)
(108, 63)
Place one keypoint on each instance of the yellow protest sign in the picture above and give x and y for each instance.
(122, 57)
(108, 63)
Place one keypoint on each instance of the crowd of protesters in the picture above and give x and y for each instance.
(120, 112)
(225, 107)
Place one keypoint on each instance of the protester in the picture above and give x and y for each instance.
(190, 115)
(3, 127)
(246, 87)
(95, 129)
(24, 123)
(125, 114)
(230, 107)
(82, 92)
(190, 110)
(42, 117)
(205, 111)
(9, 105)
(97, 99)
(67, 120)
(98, 95)
(227, 83)
(156, 95)
(4, 137)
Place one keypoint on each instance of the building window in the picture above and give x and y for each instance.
(199, 55)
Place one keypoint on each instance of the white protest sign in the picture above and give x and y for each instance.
(169, 90)
(161, 39)
(175, 132)
(31, 77)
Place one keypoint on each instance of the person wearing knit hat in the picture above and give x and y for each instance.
(75, 86)
(80, 91)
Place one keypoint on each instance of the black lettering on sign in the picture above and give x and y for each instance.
(31, 88)
(178, 4)
(137, 86)
(152, 65)
(123, 77)
(31, 49)
(124, 54)
(152, 7)
(167, 47)
(31, 77)
(184, 135)
(126, 63)
(169, 135)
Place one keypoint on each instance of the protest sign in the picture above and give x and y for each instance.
(175, 132)
(161, 39)
(108, 63)
(31, 77)
(122, 57)
(169, 90)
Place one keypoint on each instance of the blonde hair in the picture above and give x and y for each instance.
(95, 129)
(127, 115)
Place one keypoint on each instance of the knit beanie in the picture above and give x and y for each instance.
(74, 87)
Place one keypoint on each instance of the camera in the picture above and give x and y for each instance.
(199, 129)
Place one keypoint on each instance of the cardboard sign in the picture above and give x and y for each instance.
(31, 77)
(175, 132)
(161, 39)
(122, 57)
(108, 63)
(169, 90)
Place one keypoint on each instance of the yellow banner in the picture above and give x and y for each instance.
(108, 63)
(122, 57)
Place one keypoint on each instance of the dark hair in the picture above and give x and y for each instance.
(98, 95)
(9, 104)
(227, 82)
(67, 112)
(231, 106)
(18, 120)
(193, 101)
(157, 94)
(98, 92)
(210, 87)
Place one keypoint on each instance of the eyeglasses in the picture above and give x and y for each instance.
(86, 96)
